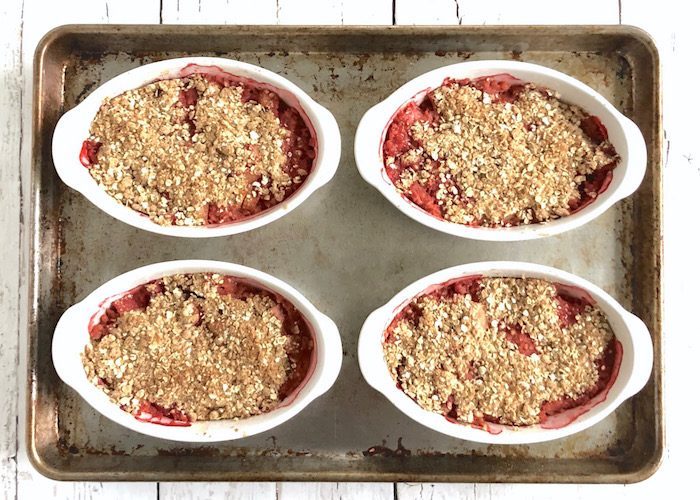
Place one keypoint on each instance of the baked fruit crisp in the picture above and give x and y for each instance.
(496, 151)
(199, 150)
(512, 351)
(200, 346)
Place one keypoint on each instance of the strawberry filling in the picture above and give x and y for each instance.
(135, 299)
(463, 286)
(88, 153)
(568, 308)
(526, 346)
(608, 366)
(298, 147)
(501, 88)
(156, 414)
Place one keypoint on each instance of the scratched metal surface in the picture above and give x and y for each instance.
(346, 249)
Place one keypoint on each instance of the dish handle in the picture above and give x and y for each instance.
(643, 353)
(370, 354)
(332, 358)
(368, 144)
(636, 158)
(65, 159)
(331, 144)
(65, 343)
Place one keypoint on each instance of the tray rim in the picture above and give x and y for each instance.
(39, 462)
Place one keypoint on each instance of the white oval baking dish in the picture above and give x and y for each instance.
(630, 331)
(73, 128)
(623, 133)
(71, 337)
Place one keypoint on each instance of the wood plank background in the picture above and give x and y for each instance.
(672, 23)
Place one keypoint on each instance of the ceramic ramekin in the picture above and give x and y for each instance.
(623, 133)
(630, 331)
(73, 128)
(71, 337)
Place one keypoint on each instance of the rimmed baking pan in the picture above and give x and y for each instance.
(347, 249)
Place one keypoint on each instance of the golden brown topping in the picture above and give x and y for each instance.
(467, 355)
(175, 148)
(495, 163)
(212, 355)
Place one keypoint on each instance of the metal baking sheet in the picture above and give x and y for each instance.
(347, 249)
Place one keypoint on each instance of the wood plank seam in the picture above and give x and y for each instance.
(20, 259)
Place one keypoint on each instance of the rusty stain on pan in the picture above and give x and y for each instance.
(346, 249)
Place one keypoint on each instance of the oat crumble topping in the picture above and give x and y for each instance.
(476, 158)
(205, 352)
(457, 354)
(186, 150)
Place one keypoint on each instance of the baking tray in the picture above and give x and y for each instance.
(347, 250)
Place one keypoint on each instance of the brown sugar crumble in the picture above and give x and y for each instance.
(199, 346)
(497, 152)
(505, 350)
(194, 151)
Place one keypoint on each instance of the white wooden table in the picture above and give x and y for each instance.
(671, 22)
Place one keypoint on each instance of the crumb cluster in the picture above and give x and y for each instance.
(464, 356)
(178, 150)
(210, 355)
(491, 162)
